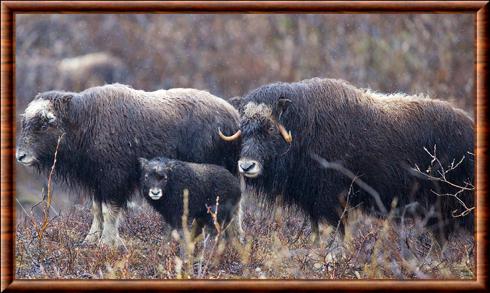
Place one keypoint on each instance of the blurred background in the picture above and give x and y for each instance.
(229, 55)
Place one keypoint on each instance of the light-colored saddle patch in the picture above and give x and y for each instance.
(253, 110)
(37, 106)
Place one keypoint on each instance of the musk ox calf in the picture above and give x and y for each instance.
(106, 129)
(378, 139)
(212, 187)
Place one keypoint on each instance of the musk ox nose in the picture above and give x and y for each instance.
(155, 193)
(20, 155)
(24, 158)
(249, 168)
(247, 165)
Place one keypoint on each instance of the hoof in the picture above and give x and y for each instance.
(113, 241)
(315, 238)
(242, 240)
(91, 238)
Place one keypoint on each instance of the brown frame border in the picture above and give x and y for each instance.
(10, 8)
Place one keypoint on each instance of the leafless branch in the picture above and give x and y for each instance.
(338, 167)
(219, 230)
(441, 176)
(47, 197)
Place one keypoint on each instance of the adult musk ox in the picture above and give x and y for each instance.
(163, 182)
(379, 139)
(106, 129)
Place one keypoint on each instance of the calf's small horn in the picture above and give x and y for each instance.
(229, 138)
(285, 134)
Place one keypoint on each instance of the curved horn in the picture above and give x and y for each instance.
(229, 138)
(285, 134)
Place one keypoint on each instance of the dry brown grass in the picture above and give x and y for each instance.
(372, 248)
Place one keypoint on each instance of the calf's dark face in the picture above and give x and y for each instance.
(262, 142)
(40, 130)
(154, 178)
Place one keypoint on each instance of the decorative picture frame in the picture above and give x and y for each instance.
(10, 8)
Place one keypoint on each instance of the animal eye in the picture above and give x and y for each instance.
(270, 129)
(44, 126)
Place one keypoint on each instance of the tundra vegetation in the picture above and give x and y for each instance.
(278, 246)
(230, 55)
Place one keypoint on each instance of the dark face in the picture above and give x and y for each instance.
(262, 141)
(40, 130)
(154, 177)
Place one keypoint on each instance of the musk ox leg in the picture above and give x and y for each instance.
(315, 231)
(110, 232)
(95, 232)
(238, 221)
(234, 229)
(196, 229)
(440, 230)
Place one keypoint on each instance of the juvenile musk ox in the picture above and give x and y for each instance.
(106, 129)
(379, 138)
(163, 182)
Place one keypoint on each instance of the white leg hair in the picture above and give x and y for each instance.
(110, 232)
(234, 229)
(95, 232)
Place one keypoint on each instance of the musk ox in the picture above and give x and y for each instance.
(106, 129)
(164, 180)
(379, 139)
(90, 70)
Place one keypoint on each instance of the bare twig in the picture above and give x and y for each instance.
(443, 171)
(47, 198)
(338, 167)
(214, 216)
(441, 176)
(344, 213)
